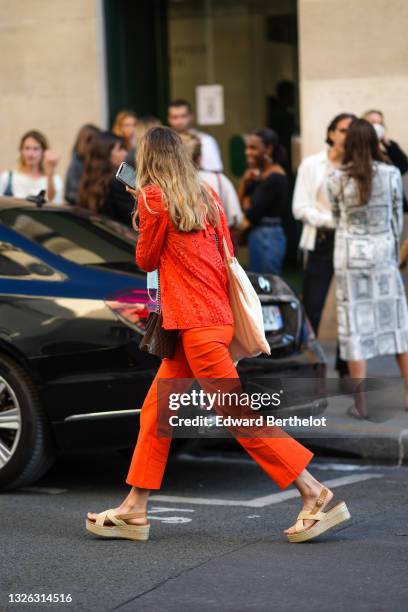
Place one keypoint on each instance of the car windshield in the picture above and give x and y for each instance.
(85, 239)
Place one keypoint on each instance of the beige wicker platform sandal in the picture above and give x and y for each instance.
(324, 520)
(119, 528)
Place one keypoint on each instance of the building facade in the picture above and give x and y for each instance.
(77, 61)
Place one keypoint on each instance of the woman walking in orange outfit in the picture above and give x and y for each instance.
(179, 221)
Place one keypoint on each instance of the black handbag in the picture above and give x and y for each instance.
(157, 340)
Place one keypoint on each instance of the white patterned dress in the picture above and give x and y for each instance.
(372, 314)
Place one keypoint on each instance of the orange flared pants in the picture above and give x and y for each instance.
(203, 353)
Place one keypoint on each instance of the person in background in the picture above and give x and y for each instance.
(389, 148)
(281, 117)
(180, 117)
(99, 190)
(143, 124)
(36, 170)
(124, 125)
(216, 180)
(263, 192)
(76, 166)
(372, 312)
(312, 206)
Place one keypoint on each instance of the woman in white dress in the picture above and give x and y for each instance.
(372, 313)
(36, 171)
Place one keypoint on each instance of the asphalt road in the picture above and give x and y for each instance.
(216, 543)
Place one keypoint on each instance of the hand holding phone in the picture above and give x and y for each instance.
(133, 192)
(126, 174)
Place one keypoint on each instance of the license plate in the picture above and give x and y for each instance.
(272, 318)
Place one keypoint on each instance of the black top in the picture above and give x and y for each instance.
(73, 178)
(130, 157)
(269, 197)
(396, 156)
(119, 203)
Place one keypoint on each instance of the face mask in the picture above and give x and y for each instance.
(379, 130)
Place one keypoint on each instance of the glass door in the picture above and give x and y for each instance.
(247, 47)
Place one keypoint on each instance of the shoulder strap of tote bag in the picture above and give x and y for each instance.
(226, 248)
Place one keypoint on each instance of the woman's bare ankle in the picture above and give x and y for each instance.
(310, 488)
(311, 498)
(307, 485)
(136, 501)
(128, 507)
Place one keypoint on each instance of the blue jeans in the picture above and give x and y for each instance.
(267, 248)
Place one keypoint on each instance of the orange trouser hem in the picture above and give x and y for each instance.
(203, 353)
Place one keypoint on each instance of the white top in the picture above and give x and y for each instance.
(311, 203)
(210, 153)
(23, 185)
(227, 194)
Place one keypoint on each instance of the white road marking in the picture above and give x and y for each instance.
(277, 498)
(254, 516)
(205, 501)
(266, 500)
(167, 509)
(343, 467)
(317, 465)
(169, 519)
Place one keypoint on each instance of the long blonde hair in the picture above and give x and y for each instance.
(162, 160)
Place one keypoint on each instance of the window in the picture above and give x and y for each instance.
(85, 239)
(16, 263)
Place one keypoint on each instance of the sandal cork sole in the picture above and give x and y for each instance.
(130, 532)
(118, 527)
(337, 515)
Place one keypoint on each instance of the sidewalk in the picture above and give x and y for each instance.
(384, 440)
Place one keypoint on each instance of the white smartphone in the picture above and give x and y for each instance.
(126, 174)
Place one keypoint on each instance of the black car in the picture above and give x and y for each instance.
(71, 372)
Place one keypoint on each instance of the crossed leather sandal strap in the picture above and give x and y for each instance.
(132, 515)
(314, 514)
(117, 519)
(107, 514)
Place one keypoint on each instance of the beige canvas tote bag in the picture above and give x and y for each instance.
(249, 334)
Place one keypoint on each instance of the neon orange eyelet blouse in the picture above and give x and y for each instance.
(193, 279)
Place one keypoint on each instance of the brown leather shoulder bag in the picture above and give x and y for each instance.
(157, 340)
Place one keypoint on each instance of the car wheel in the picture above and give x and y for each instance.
(26, 445)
